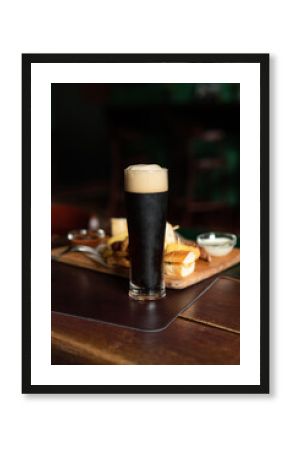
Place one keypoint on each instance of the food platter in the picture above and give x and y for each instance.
(185, 263)
(203, 269)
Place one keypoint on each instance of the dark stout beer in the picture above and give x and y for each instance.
(146, 216)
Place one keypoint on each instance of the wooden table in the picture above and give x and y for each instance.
(206, 333)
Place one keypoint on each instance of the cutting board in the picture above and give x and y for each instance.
(203, 269)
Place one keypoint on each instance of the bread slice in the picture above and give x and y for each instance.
(179, 264)
(178, 270)
(179, 246)
(180, 257)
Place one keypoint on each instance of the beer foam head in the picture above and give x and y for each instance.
(146, 178)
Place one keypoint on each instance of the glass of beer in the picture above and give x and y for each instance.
(146, 188)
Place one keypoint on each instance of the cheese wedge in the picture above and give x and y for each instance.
(118, 226)
(170, 236)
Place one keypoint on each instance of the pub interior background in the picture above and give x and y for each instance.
(99, 129)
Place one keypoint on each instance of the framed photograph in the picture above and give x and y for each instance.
(145, 232)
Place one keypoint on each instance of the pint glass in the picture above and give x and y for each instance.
(146, 188)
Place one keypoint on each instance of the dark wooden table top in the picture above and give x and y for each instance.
(206, 333)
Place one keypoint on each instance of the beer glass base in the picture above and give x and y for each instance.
(144, 295)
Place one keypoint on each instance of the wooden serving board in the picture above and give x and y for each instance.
(203, 269)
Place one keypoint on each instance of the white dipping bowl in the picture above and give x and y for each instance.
(217, 244)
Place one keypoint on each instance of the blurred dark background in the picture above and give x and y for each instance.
(99, 129)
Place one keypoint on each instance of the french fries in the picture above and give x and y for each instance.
(118, 238)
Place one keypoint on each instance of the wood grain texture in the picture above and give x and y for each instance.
(203, 269)
(79, 341)
(104, 297)
(220, 306)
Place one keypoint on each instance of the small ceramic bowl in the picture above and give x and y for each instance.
(86, 237)
(217, 244)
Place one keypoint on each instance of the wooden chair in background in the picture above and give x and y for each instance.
(197, 169)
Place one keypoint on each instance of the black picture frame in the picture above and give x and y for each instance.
(263, 61)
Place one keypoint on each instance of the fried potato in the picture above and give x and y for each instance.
(121, 254)
(118, 237)
(106, 252)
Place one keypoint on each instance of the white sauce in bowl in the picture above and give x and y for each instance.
(217, 245)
